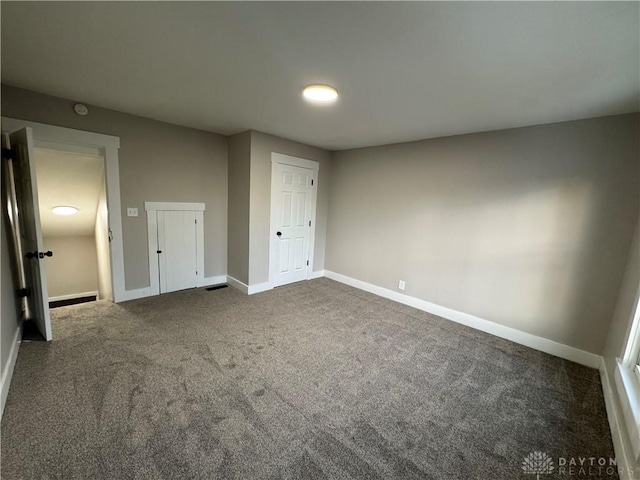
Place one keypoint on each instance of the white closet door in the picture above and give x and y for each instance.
(293, 208)
(178, 260)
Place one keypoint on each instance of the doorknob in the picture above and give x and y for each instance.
(38, 254)
(279, 234)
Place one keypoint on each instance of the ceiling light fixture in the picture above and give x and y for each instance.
(64, 210)
(320, 93)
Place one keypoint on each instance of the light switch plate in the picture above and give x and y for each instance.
(132, 212)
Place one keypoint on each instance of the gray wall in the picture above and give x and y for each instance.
(73, 268)
(527, 227)
(262, 145)
(158, 162)
(239, 175)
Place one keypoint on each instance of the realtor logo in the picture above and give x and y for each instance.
(537, 463)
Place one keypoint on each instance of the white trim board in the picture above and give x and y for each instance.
(174, 206)
(61, 138)
(318, 274)
(294, 161)
(249, 289)
(54, 134)
(135, 294)
(259, 288)
(617, 426)
(627, 386)
(243, 287)
(523, 338)
(7, 373)
(630, 355)
(71, 296)
(211, 281)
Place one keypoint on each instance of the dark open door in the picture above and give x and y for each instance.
(24, 216)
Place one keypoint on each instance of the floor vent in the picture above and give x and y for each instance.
(216, 287)
(72, 301)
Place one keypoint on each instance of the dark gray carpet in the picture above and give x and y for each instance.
(310, 381)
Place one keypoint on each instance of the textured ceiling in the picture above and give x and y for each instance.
(405, 70)
(68, 179)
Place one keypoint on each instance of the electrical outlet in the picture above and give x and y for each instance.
(401, 284)
(132, 212)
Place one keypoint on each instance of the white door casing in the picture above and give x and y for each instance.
(31, 232)
(68, 139)
(293, 207)
(175, 233)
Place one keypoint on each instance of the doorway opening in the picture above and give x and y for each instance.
(72, 202)
(20, 195)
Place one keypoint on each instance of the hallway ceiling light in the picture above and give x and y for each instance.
(320, 93)
(64, 210)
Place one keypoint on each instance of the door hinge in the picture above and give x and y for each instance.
(196, 221)
(307, 263)
(9, 153)
(309, 222)
(312, 182)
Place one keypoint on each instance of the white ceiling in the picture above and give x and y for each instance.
(405, 70)
(68, 179)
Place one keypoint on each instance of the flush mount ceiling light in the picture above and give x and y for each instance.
(320, 93)
(64, 210)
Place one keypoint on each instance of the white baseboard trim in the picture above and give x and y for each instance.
(523, 338)
(244, 288)
(7, 372)
(71, 296)
(216, 280)
(266, 286)
(318, 274)
(260, 287)
(249, 289)
(135, 294)
(146, 291)
(617, 427)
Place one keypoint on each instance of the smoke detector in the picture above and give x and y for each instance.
(80, 109)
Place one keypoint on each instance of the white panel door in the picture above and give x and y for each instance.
(178, 250)
(25, 212)
(293, 203)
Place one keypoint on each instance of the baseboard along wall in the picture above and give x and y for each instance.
(7, 372)
(617, 426)
(523, 338)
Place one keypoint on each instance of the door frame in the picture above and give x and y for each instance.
(107, 146)
(276, 159)
(152, 209)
